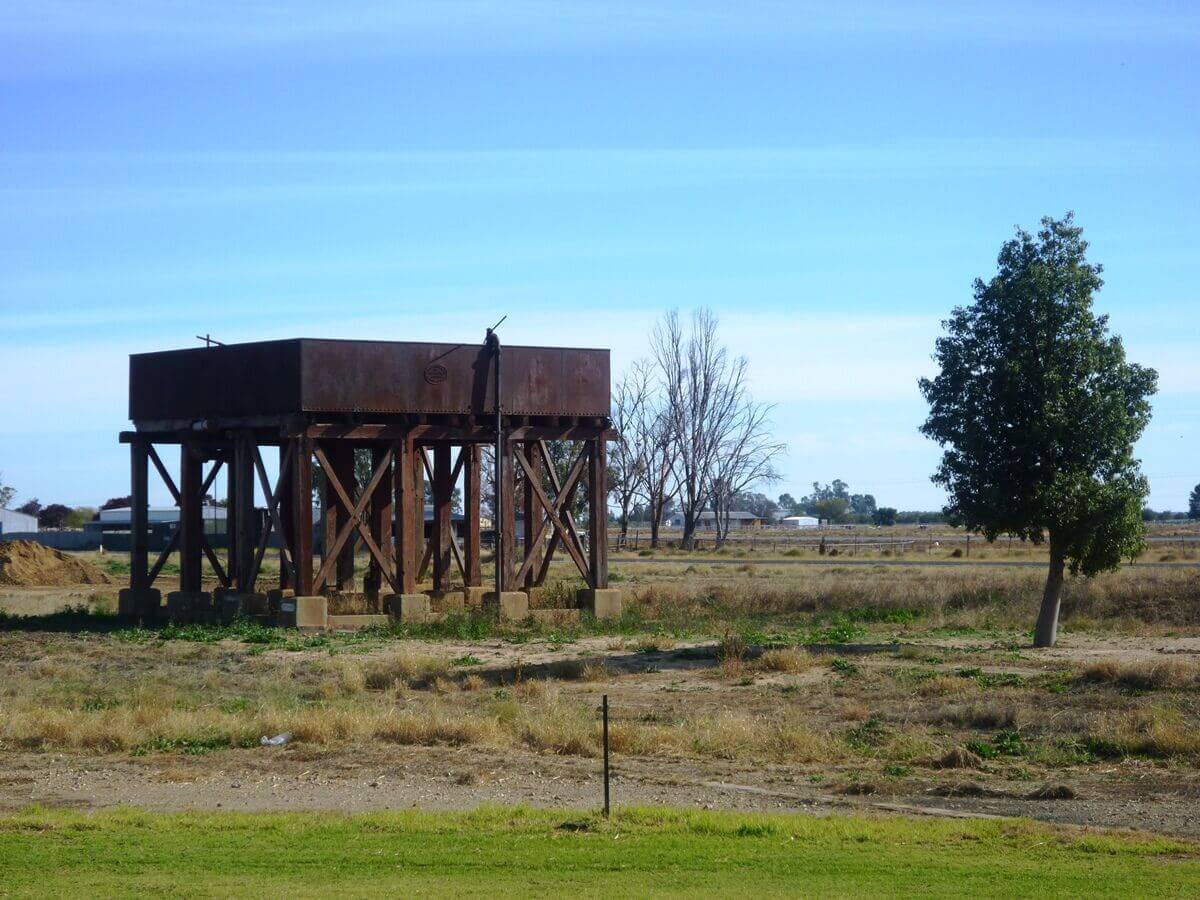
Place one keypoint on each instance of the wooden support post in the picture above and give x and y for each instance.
(406, 575)
(139, 515)
(341, 458)
(442, 534)
(598, 512)
(507, 534)
(379, 521)
(532, 511)
(191, 519)
(243, 538)
(287, 515)
(231, 514)
(471, 512)
(416, 510)
(302, 516)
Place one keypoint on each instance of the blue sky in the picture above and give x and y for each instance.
(829, 178)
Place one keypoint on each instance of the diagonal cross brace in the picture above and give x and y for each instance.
(557, 516)
(353, 520)
(274, 522)
(173, 543)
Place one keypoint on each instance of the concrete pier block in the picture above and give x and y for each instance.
(603, 603)
(414, 608)
(189, 606)
(511, 606)
(473, 596)
(447, 601)
(309, 614)
(133, 604)
(233, 606)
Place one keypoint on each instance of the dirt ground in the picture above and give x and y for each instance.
(645, 682)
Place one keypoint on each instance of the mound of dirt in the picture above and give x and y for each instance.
(30, 564)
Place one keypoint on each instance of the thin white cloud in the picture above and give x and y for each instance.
(254, 22)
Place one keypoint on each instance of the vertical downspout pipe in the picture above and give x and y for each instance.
(493, 343)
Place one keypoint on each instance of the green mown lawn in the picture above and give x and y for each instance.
(520, 852)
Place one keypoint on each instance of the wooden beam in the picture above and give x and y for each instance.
(273, 525)
(416, 510)
(337, 462)
(442, 534)
(568, 517)
(302, 547)
(532, 510)
(598, 512)
(191, 519)
(243, 538)
(464, 433)
(556, 515)
(379, 523)
(287, 516)
(231, 516)
(471, 510)
(405, 538)
(506, 535)
(353, 520)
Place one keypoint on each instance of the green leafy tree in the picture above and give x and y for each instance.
(832, 509)
(7, 493)
(54, 516)
(79, 516)
(884, 515)
(1194, 503)
(1038, 411)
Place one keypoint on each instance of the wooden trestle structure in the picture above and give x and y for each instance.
(422, 413)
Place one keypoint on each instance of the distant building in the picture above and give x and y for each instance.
(12, 522)
(707, 520)
(800, 522)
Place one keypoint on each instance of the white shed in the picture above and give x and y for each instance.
(800, 522)
(12, 522)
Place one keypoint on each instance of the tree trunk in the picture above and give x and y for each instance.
(655, 518)
(689, 532)
(1047, 624)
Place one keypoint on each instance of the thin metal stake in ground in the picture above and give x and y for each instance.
(604, 708)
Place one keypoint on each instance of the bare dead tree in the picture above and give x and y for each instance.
(705, 390)
(627, 456)
(746, 458)
(655, 437)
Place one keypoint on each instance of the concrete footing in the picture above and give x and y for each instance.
(473, 596)
(133, 604)
(447, 601)
(189, 606)
(309, 614)
(511, 606)
(414, 608)
(234, 606)
(603, 603)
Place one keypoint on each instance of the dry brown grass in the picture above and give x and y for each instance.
(790, 660)
(947, 685)
(990, 713)
(1159, 731)
(1143, 674)
(403, 668)
(595, 671)
(1127, 600)
(473, 683)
